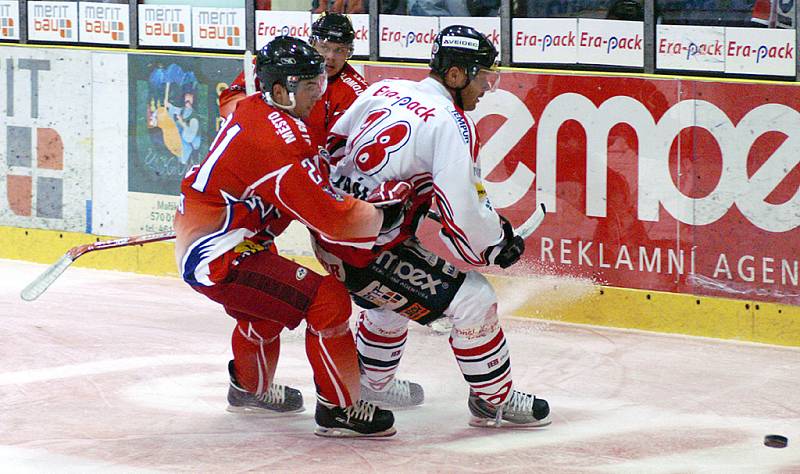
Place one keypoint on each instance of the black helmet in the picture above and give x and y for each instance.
(333, 27)
(463, 46)
(286, 60)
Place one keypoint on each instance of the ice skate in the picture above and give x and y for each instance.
(399, 394)
(360, 420)
(521, 409)
(277, 400)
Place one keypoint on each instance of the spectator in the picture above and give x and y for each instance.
(339, 6)
(438, 8)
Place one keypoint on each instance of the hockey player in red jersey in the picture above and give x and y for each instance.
(260, 174)
(418, 132)
(332, 36)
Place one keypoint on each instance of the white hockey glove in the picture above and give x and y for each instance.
(390, 197)
(509, 251)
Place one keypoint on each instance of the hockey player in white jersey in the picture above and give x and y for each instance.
(418, 132)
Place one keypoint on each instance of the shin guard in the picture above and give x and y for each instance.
(486, 365)
(330, 347)
(379, 350)
(256, 347)
(332, 354)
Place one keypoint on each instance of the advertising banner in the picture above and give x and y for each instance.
(165, 25)
(218, 28)
(758, 51)
(104, 23)
(45, 138)
(490, 26)
(173, 115)
(544, 40)
(695, 48)
(270, 24)
(731, 50)
(656, 184)
(406, 37)
(611, 42)
(53, 21)
(9, 19)
(361, 27)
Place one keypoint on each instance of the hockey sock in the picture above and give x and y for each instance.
(485, 364)
(256, 347)
(332, 354)
(379, 355)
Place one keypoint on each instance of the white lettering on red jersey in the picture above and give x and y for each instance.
(260, 174)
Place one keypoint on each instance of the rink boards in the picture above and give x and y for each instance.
(542, 297)
(673, 203)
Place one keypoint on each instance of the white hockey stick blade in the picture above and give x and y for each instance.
(533, 222)
(249, 74)
(524, 231)
(43, 281)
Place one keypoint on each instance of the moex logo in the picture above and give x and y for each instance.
(656, 187)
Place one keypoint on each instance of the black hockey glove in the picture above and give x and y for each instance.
(509, 251)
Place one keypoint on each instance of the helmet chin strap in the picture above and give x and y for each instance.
(288, 108)
(459, 101)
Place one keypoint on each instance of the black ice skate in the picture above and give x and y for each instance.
(399, 394)
(360, 420)
(521, 409)
(277, 400)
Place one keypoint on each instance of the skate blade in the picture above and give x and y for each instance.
(491, 423)
(263, 412)
(345, 433)
(392, 406)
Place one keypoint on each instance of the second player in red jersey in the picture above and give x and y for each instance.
(332, 36)
(261, 173)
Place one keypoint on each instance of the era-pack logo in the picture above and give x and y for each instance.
(407, 38)
(34, 156)
(300, 30)
(760, 51)
(52, 19)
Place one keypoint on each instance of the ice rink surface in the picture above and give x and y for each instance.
(114, 372)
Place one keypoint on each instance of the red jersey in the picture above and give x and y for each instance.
(236, 90)
(342, 91)
(260, 174)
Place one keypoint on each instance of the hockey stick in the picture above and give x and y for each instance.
(249, 74)
(43, 281)
(533, 222)
(524, 231)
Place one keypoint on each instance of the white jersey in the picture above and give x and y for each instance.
(412, 131)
